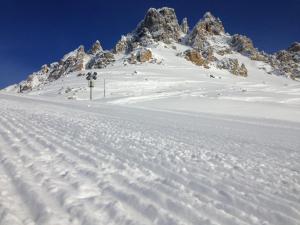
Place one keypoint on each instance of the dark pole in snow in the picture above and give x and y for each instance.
(104, 87)
(91, 91)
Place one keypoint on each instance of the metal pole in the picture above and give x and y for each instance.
(91, 93)
(104, 87)
(91, 89)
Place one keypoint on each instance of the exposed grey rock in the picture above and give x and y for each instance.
(71, 62)
(45, 69)
(101, 60)
(208, 25)
(74, 61)
(158, 25)
(242, 44)
(232, 65)
(195, 57)
(225, 51)
(96, 48)
(124, 45)
(209, 54)
(142, 55)
(56, 71)
(185, 26)
(287, 62)
(295, 47)
(162, 25)
(35, 79)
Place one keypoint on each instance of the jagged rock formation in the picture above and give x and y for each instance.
(32, 81)
(74, 61)
(196, 58)
(207, 26)
(224, 51)
(295, 48)
(206, 41)
(185, 26)
(158, 25)
(162, 25)
(244, 45)
(96, 48)
(144, 55)
(288, 61)
(101, 60)
(123, 45)
(45, 69)
(141, 55)
(232, 65)
(209, 54)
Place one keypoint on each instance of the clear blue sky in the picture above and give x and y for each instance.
(35, 32)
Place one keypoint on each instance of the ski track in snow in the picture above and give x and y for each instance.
(62, 164)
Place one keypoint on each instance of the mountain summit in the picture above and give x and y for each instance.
(206, 45)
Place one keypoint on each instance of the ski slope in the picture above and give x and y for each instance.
(68, 162)
(177, 84)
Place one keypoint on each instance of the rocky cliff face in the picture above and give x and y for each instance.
(71, 62)
(96, 48)
(232, 65)
(288, 61)
(196, 58)
(185, 26)
(207, 26)
(158, 25)
(244, 45)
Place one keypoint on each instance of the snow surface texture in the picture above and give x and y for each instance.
(170, 144)
(66, 162)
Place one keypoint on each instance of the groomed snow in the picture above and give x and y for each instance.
(168, 145)
(78, 163)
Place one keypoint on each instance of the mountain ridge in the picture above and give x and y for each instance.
(206, 41)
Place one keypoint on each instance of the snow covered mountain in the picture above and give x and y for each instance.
(206, 45)
(196, 127)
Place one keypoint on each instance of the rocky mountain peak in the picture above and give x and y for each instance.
(210, 24)
(209, 15)
(185, 26)
(96, 48)
(295, 47)
(80, 49)
(161, 24)
(287, 62)
(203, 41)
(207, 26)
(242, 44)
(80, 52)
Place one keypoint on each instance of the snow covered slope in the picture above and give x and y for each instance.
(178, 139)
(178, 84)
(67, 162)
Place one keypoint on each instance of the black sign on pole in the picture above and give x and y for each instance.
(91, 77)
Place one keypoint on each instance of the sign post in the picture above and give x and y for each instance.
(91, 77)
(104, 88)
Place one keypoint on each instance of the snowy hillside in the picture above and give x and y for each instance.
(178, 84)
(196, 127)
